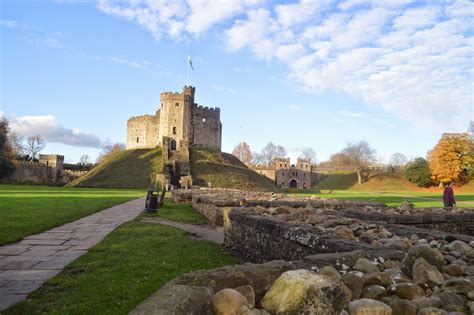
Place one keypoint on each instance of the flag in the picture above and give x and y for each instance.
(190, 62)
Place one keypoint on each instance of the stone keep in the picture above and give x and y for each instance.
(178, 120)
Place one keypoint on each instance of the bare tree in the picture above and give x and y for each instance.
(360, 156)
(109, 151)
(309, 154)
(17, 144)
(270, 152)
(85, 159)
(398, 159)
(256, 159)
(34, 145)
(243, 153)
(470, 130)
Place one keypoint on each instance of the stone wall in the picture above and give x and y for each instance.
(142, 131)
(207, 128)
(31, 172)
(178, 118)
(262, 235)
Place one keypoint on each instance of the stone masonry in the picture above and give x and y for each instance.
(178, 119)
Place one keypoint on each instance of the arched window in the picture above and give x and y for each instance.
(174, 130)
(138, 139)
(173, 145)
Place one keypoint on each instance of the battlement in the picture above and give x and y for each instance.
(175, 96)
(141, 117)
(206, 108)
(51, 157)
(28, 163)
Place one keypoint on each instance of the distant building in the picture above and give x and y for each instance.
(287, 175)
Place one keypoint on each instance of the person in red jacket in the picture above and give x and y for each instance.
(448, 195)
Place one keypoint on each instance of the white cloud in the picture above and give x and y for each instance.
(222, 88)
(52, 131)
(350, 113)
(9, 23)
(131, 63)
(411, 58)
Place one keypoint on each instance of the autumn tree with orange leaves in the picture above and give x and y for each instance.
(452, 158)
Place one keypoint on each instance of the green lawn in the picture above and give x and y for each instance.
(179, 212)
(420, 199)
(26, 210)
(119, 273)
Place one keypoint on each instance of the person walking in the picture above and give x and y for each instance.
(448, 195)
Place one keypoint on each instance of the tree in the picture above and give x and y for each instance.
(470, 130)
(110, 150)
(256, 159)
(17, 144)
(452, 158)
(309, 154)
(398, 159)
(85, 159)
(271, 152)
(7, 165)
(243, 153)
(34, 145)
(418, 172)
(360, 156)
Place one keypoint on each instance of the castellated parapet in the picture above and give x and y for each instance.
(178, 120)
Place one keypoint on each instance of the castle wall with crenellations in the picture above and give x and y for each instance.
(179, 120)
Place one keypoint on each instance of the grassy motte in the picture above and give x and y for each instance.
(119, 273)
(226, 171)
(125, 169)
(26, 210)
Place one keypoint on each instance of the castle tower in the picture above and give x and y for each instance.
(175, 117)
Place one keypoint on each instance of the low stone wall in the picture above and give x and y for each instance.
(292, 234)
(456, 220)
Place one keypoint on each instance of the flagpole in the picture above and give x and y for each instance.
(187, 71)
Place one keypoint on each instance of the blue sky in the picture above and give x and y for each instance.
(298, 73)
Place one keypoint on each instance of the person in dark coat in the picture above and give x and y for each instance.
(448, 195)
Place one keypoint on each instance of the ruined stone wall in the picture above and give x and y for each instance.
(32, 172)
(270, 173)
(142, 131)
(207, 128)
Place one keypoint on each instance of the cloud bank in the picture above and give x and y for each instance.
(52, 131)
(412, 58)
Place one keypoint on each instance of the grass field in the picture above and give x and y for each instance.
(26, 210)
(179, 213)
(119, 273)
(394, 198)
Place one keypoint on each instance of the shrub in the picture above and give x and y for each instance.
(418, 172)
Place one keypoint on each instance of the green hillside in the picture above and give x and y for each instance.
(126, 169)
(135, 169)
(226, 171)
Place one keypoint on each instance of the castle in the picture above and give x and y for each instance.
(179, 121)
(50, 169)
(287, 175)
(178, 124)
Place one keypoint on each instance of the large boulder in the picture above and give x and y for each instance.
(305, 292)
(431, 255)
(369, 307)
(176, 300)
(230, 302)
(425, 273)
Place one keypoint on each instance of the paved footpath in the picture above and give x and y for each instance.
(26, 265)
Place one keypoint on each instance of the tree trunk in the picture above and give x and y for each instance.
(359, 177)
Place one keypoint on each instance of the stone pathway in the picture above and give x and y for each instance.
(26, 265)
(208, 232)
